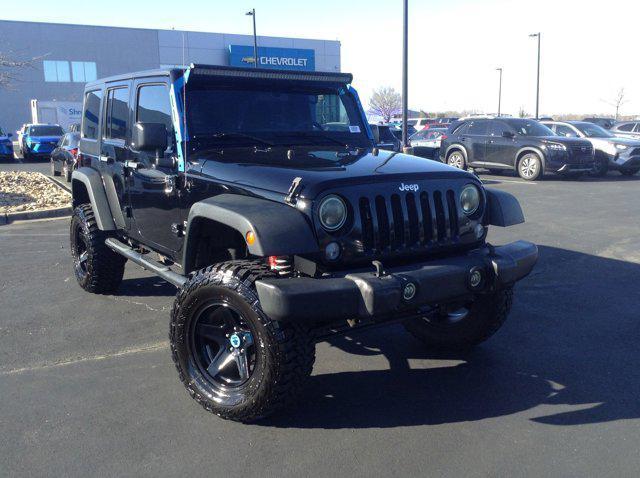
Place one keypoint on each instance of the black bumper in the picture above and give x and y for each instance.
(365, 295)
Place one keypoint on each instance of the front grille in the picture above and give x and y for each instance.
(411, 220)
(582, 154)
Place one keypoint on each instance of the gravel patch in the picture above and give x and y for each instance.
(22, 191)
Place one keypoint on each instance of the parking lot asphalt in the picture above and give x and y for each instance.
(87, 385)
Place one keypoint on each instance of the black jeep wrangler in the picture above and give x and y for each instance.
(279, 228)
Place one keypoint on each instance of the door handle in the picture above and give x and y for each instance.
(106, 159)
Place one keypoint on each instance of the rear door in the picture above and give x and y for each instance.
(114, 148)
(153, 186)
(475, 140)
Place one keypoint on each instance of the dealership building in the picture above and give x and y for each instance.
(67, 56)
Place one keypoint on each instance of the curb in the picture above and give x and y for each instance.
(9, 217)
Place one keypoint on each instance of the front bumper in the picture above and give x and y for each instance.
(575, 168)
(625, 162)
(367, 295)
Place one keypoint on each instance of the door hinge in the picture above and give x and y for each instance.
(294, 191)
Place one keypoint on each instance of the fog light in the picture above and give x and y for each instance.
(475, 278)
(409, 291)
(332, 251)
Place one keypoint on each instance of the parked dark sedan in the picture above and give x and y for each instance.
(65, 156)
(6, 146)
(384, 138)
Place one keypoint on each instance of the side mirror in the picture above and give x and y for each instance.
(149, 137)
(507, 134)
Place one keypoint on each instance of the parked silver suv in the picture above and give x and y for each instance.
(611, 152)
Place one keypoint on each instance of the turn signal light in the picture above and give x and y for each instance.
(250, 237)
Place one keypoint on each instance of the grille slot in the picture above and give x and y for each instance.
(406, 221)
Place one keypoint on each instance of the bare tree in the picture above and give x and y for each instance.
(10, 68)
(522, 113)
(618, 101)
(385, 102)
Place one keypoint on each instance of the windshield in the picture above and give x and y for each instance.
(530, 128)
(46, 131)
(591, 130)
(275, 115)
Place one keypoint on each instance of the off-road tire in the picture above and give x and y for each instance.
(456, 159)
(629, 172)
(486, 315)
(53, 170)
(522, 168)
(103, 269)
(287, 350)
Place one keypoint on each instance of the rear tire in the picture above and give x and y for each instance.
(53, 169)
(629, 172)
(97, 268)
(465, 327)
(456, 159)
(530, 167)
(266, 367)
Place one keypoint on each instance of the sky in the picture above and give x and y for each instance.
(589, 48)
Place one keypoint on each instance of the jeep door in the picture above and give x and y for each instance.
(114, 148)
(154, 194)
(500, 150)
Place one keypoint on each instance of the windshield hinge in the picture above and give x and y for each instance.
(294, 191)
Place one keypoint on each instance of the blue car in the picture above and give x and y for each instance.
(39, 140)
(6, 146)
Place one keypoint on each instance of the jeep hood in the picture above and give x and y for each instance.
(320, 169)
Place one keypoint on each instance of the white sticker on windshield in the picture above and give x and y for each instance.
(354, 129)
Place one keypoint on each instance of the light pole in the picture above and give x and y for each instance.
(499, 90)
(533, 35)
(405, 72)
(252, 13)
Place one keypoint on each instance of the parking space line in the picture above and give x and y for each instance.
(91, 358)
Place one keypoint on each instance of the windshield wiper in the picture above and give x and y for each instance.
(312, 136)
(236, 135)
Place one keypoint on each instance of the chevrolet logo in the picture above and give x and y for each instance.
(248, 59)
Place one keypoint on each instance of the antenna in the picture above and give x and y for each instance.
(184, 104)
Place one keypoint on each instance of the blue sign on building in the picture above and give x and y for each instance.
(273, 58)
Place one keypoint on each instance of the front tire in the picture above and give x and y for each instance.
(463, 327)
(530, 167)
(600, 167)
(233, 359)
(97, 268)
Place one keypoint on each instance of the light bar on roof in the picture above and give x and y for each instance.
(263, 74)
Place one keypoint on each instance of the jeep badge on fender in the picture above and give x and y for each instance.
(279, 237)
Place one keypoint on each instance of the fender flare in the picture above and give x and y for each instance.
(530, 149)
(279, 229)
(503, 208)
(92, 181)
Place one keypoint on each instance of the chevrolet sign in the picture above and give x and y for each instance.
(273, 58)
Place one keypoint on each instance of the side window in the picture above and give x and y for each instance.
(496, 128)
(562, 130)
(117, 114)
(462, 129)
(637, 128)
(478, 128)
(154, 106)
(91, 115)
(626, 127)
(64, 141)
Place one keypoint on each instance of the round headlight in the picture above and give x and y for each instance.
(332, 213)
(469, 199)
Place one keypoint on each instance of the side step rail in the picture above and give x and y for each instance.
(134, 256)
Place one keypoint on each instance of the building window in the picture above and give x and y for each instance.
(56, 71)
(83, 71)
